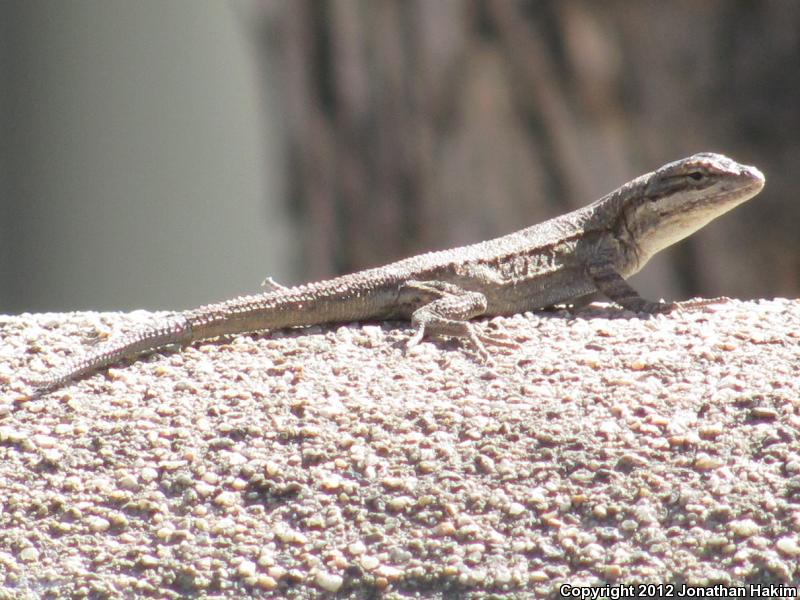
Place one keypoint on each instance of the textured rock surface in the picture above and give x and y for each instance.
(607, 449)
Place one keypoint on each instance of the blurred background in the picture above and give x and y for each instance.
(163, 154)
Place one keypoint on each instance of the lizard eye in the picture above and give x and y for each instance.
(697, 175)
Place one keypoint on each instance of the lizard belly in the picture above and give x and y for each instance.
(536, 293)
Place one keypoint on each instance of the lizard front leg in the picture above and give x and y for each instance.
(447, 312)
(611, 283)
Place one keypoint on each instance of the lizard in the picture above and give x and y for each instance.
(592, 249)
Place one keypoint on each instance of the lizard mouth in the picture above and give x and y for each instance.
(748, 183)
(755, 175)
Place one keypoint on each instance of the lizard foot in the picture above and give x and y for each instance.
(498, 338)
(700, 302)
(477, 339)
(655, 308)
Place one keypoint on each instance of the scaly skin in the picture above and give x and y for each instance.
(561, 260)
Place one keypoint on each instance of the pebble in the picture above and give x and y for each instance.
(12, 435)
(204, 489)
(148, 561)
(29, 554)
(210, 477)
(127, 482)
(764, 412)
(44, 441)
(357, 548)
(226, 499)
(704, 462)
(235, 458)
(331, 482)
(328, 581)
(276, 571)
(148, 474)
(246, 568)
(400, 503)
(788, 546)
(389, 572)
(266, 582)
(515, 509)
(368, 563)
(291, 536)
(744, 527)
(98, 524)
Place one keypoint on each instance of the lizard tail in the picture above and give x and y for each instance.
(177, 331)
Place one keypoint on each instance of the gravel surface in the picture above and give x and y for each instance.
(607, 449)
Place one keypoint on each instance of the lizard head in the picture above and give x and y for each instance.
(683, 196)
